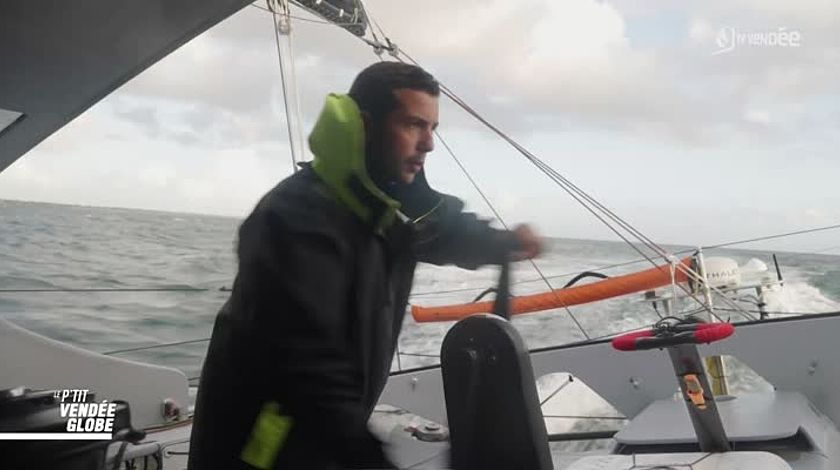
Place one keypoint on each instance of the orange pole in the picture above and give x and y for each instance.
(612, 287)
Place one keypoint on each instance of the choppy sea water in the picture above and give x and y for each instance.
(78, 274)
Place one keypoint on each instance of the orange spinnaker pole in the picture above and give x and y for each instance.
(612, 287)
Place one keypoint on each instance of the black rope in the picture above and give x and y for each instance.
(651, 325)
(463, 289)
(577, 278)
(483, 293)
(584, 275)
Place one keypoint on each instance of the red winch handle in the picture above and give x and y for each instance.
(699, 333)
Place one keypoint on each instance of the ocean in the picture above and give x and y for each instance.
(117, 281)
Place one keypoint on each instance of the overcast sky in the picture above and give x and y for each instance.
(640, 103)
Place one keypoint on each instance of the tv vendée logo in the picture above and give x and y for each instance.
(728, 38)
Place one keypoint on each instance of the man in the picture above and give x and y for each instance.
(303, 347)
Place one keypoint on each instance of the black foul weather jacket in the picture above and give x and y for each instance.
(302, 349)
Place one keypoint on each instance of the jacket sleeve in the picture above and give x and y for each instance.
(295, 293)
(451, 236)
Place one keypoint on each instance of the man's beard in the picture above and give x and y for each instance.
(416, 197)
(384, 177)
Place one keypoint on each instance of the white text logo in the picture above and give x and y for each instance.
(729, 38)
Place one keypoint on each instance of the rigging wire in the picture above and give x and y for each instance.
(564, 183)
(543, 278)
(376, 50)
(616, 418)
(435, 292)
(276, 17)
(576, 192)
(379, 47)
(301, 18)
(642, 260)
(155, 346)
(557, 390)
(412, 354)
(556, 176)
(579, 195)
(773, 237)
(115, 289)
(407, 354)
(395, 52)
(505, 225)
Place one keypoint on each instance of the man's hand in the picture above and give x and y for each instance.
(530, 245)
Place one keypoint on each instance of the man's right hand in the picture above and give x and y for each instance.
(530, 244)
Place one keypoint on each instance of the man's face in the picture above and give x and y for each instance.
(408, 135)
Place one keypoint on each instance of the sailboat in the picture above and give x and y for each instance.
(480, 406)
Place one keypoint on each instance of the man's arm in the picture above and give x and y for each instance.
(295, 290)
(452, 236)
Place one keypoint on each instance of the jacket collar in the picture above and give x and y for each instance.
(338, 144)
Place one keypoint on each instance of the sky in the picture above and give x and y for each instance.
(698, 122)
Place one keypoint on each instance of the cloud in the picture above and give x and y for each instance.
(757, 117)
(219, 68)
(560, 65)
(224, 89)
(156, 175)
(144, 116)
(153, 175)
(774, 89)
(538, 65)
(625, 98)
(821, 15)
(194, 123)
(559, 58)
